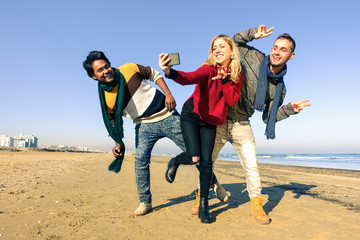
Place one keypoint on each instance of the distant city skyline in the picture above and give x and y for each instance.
(22, 140)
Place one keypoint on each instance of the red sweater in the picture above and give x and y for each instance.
(211, 97)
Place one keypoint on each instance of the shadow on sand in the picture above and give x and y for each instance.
(240, 196)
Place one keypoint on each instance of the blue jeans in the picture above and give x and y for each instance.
(146, 135)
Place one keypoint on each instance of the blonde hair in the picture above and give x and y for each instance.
(234, 62)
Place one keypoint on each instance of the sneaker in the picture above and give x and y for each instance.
(220, 192)
(143, 209)
(257, 210)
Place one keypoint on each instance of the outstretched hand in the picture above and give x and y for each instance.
(299, 105)
(263, 32)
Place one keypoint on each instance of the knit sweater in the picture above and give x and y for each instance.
(250, 64)
(211, 97)
(142, 102)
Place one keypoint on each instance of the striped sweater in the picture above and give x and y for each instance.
(142, 102)
(250, 64)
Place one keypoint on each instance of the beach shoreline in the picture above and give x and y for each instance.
(68, 195)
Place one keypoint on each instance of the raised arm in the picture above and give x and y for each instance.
(242, 38)
(183, 78)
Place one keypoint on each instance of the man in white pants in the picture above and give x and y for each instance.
(237, 129)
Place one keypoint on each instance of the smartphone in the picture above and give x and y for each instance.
(175, 59)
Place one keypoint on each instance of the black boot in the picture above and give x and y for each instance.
(204, 214)
(174, 163)
(171, 170)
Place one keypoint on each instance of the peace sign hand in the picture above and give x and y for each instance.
(262, 32)
(299, 105)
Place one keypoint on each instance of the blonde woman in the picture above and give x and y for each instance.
(218, 82)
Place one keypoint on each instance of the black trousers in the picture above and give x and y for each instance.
(199, 138)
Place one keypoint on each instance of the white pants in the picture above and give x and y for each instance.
(240, 135)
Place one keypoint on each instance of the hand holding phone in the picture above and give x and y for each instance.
(174, 59)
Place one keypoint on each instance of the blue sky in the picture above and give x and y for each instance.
(45, 91)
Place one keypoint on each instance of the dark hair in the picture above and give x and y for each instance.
(93, 55)
(288, 37)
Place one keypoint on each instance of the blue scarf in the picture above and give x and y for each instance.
(115, 131)
(259, 104)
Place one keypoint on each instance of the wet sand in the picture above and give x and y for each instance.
(65, 195)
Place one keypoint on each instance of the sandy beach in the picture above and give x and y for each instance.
(69, 195)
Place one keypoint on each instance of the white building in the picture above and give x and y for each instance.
(6, 141)
(21, 140)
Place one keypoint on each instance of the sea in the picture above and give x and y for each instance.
(321, 160)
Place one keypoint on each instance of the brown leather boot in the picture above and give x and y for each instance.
(195, 208)
(257, 210)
